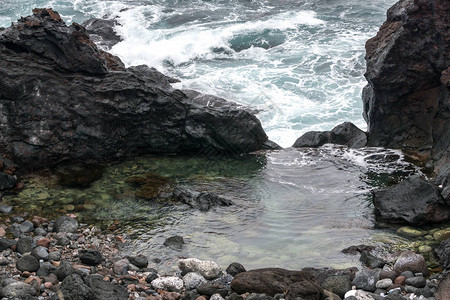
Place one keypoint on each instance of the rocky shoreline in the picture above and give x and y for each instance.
(109, 112)
(61, 259)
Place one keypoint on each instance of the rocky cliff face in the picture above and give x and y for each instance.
(64, 100)
(406, 103)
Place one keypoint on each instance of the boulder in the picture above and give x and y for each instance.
(208, 269)
(443, 253)
(414, 201)
(306, 290)
(86, 106)
(410, 261)
(202, 201)
(313, 139)
(344, 134)
(406, 101)
(272, 281)
(349, 135)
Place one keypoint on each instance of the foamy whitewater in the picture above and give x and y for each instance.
(301, 63)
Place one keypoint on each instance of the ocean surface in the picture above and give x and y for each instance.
(301, 64)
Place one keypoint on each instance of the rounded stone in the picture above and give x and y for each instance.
(366, 280)
(442, 235)
(40, 252)
(170, 283)
(384, 283)
(418, 281)
(411, 232)
(26, 227)
(192, 280)
(425, 249)
(24, 244)
(27, 263)
(139, 261)
(66, 224)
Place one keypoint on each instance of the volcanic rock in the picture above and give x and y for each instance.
(270, 281)
(414, 201)
(64, 100)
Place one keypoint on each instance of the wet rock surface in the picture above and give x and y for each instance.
(414, 201)
(344, 134)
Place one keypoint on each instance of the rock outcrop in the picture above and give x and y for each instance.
(414, 201)
(62, 99)
(343, 134)
(406, 103)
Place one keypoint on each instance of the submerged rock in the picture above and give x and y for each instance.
(150, 186)
(88, 107)
(175, 242)
(202, 201)
(344, 134)
(412, 201)
(78, 175)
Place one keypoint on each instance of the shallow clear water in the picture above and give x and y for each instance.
(300, 62)
(292, 208)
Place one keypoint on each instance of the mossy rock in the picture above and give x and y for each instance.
(411, 232)
(442, 235)
(150, 186)
(79, 176)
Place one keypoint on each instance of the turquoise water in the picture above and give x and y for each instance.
(300, 62)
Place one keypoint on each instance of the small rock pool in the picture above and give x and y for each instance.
(293, 208)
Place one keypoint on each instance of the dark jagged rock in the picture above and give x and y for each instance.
(101, 31)
(344, 134)
(6, 181)
(414, 201)
(271, 281)
(90, 257)
(313, 139)
(406, 101)
(203, 201)
(443, 253)
(62, 100)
